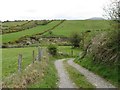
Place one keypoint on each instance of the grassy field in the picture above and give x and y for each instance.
(68, 50)
(65, 29)
(13, 23)
(35, 30)
(10, 55)
(7, 25)
(71, 26)
(10, 59)
(38, 75)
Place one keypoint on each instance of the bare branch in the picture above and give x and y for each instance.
(113, 10)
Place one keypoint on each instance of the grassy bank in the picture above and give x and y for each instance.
(76, 77)
(38, 75)
(29, 76)
(110, 73)
(50, 77)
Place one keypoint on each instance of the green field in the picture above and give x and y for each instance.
(70, 26)
(67, 50)
(38, 75)
(13, 23)
(10, 59)
(65, 29)
(35, 30)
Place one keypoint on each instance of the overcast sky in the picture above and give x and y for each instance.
(50, 9)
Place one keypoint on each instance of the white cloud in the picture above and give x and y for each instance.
(50, 9)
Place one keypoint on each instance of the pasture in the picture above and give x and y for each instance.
(10, 56)
(64, 29)
(13, 23)
(29, 32)
(7, 25)
(55, 32)
(10, 59)
(70, 26)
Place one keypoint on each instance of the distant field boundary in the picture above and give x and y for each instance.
(36, 34)
(13, 27)
(13, 31)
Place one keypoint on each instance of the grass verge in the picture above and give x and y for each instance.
(30, 75)
(50, 78)
(76, 77)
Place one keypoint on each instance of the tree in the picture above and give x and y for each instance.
(113, 11)
(52, 49)
(75, 39)
(50, 32)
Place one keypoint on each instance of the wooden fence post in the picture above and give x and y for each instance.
(38, 53)
(19, 62)
(41, 54)
(33, 56)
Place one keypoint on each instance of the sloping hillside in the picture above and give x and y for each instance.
(70, 26)
(16, 26)
(14, 36)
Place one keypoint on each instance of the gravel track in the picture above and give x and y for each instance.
(64, 81)
(91, 77)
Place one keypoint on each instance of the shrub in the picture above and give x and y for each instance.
(75, 39)
(52, 49)
(4, 46)
(44, 22)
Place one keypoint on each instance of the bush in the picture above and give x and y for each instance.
(75, 39)
(4, 46)
(114, 40)
(52, 49)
